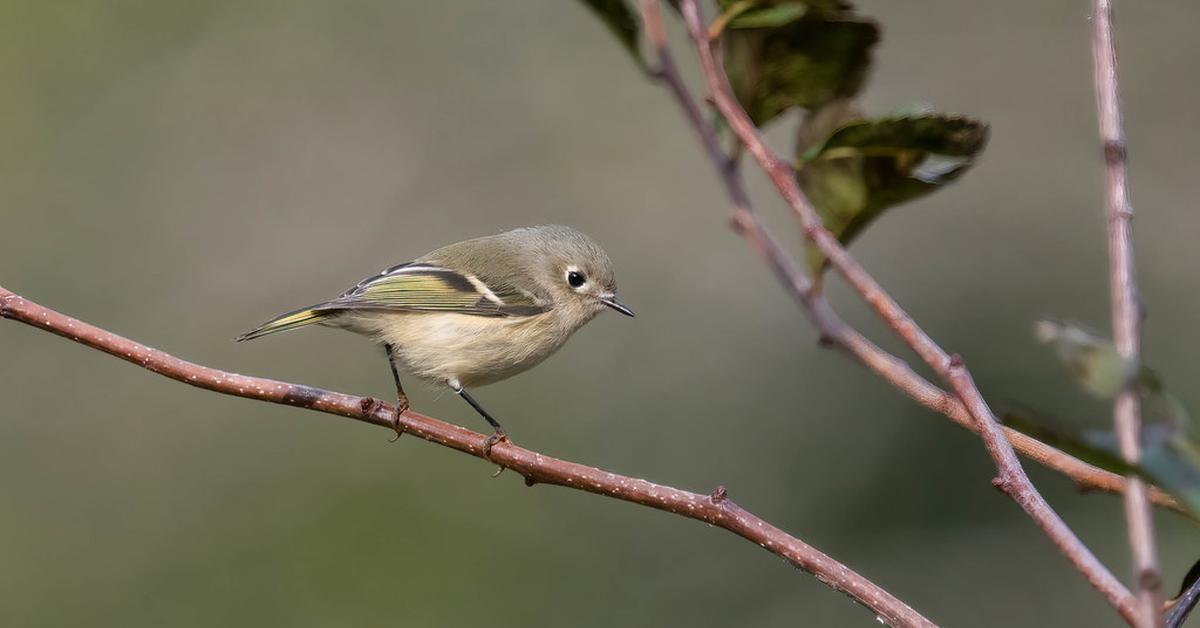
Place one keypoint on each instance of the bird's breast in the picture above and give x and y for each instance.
(475, 350)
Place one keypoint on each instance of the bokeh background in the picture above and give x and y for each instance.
(179, 172)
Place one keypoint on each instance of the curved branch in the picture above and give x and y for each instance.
(715, 509)
(1011, 476)
(1126, 319)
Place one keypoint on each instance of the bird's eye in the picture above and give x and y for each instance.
(576, 279)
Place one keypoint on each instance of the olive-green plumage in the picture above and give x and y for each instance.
(476, 311)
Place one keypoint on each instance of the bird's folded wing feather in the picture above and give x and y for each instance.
(422, 287)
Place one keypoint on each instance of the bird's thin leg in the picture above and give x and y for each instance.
(498, 434)
(401, 398)
(478, 408)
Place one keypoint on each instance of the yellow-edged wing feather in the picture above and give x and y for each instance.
(413, 287)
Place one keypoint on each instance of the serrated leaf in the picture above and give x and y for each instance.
(867, 166)
(622, 22)
(805, 61)
(950, 135)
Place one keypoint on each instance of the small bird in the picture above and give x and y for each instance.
(473, 312)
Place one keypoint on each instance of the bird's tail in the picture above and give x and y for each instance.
(291, 320)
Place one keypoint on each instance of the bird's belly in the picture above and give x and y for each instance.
(474, 350)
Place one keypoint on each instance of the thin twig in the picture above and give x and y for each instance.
(741, 217)
(833, 330)
(1011, 476)
(1126, 318)
(716, 508)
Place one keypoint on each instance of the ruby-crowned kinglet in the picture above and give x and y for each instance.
(474, 312)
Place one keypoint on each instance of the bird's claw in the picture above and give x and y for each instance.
(401, 408)
(496, 438)
(492, 441)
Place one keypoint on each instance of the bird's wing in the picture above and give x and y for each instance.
(425, 287)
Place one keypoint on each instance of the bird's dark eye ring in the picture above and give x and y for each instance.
(576, 279)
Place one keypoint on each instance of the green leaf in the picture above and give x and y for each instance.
(1173, 467)
(729, 12)
(1053, 433)
(779, 56)
(866, 166)
(1169, 459)
(1092, 361)
(825, 7)
(762, 13)
(622, 22)
(1170, 453)
(769, 16)
(1095, 365)
(950, 135)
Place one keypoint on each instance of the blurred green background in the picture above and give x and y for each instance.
(179, 172)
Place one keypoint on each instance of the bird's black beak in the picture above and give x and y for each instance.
(611, 301)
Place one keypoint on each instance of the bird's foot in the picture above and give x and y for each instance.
(401, 408)
(497, 437)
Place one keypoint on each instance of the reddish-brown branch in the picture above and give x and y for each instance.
(716, 508)
(1012, 476)
(1126, 318)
